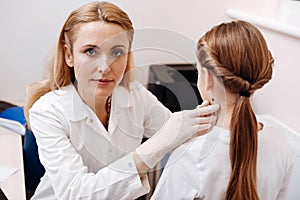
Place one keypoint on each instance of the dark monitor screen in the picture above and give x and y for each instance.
(175, 85)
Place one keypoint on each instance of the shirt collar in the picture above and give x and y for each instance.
(77, 110)
(121, 97)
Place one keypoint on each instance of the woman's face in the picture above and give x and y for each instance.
(99, 58)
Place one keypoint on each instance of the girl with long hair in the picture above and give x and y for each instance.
(240, 158)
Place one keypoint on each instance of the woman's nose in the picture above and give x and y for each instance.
(103, 65)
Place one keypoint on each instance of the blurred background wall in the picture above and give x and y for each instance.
(166, 32)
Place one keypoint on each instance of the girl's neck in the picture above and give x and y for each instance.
(225, 114)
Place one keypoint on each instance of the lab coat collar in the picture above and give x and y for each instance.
(121, 100)
(77, 110)
(121, 96)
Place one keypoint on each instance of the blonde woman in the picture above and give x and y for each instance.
(90, 116)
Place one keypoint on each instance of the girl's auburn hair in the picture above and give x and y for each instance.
(237, 54)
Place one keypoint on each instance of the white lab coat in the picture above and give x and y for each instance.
(200, 168)
(82, 159)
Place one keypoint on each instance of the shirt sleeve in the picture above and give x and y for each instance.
(68, 175)
(283, 193)
(156, 114)
(180, 178)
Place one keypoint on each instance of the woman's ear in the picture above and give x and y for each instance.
(208, 79)
(68, 56)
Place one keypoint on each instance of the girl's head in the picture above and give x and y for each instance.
(237, 56)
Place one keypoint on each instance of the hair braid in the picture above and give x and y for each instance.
(230, 51)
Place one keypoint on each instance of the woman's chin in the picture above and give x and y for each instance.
(103, 92)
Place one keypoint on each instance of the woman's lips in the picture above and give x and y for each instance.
(104, 81)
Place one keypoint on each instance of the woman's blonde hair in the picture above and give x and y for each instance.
(60, 74)
(237, 54)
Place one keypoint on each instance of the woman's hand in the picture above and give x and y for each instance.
(180, 127)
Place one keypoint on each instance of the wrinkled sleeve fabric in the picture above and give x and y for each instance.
(283, 193)
(66, 171)
(156, 114)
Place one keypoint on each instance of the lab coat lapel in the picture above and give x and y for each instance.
(120, 105)
(77, 110)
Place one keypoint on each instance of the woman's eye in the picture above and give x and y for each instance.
(117, 52)
(90, 52)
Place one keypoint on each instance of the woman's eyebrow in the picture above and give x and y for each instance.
(89, 46)
(119, 45)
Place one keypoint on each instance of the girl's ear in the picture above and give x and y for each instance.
(208, 79)
(68, 56)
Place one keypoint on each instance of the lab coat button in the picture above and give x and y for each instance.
(129, 164)
(91, 120)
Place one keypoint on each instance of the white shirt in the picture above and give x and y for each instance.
(81, 158)
(200, 168)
